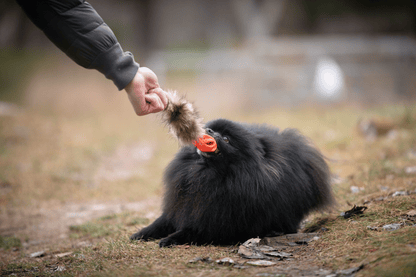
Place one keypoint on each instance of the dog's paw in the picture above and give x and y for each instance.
(139, 236)
(167, 242)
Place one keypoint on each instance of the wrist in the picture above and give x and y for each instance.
(117, 66)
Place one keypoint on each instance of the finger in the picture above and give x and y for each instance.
(156, 104)
(162, 95)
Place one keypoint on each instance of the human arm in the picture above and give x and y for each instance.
(77, 29)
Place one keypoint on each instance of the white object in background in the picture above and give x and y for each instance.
(329, 79)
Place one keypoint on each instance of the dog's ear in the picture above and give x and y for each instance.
(260, 145)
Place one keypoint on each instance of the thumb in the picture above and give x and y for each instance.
(153, 103)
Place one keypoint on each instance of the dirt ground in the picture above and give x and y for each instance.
(79, 173)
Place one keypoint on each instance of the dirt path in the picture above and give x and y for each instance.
(47, 225)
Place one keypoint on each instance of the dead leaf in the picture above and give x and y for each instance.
(411, 213)
(356, 210)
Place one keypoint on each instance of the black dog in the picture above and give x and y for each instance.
(260, 181)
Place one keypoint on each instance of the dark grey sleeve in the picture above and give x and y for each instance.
(77, 29)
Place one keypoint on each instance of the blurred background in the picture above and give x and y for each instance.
(268, 52)
(68, 136)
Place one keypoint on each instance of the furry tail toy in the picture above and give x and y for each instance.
(185, 124)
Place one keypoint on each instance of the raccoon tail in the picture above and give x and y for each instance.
(182, 119)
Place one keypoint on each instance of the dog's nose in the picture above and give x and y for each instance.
(209, 131)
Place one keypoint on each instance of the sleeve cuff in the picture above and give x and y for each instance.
(117, 66)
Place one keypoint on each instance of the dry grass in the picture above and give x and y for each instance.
(54, 151)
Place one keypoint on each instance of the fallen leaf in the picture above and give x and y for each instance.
(354, 211)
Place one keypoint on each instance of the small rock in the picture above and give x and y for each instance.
(60, 268)
(239, 266)
(252, 242)
(280, 255)
(225, 261)
(249, 252)
(37, 254)
(194, 260)
(324, 272)
(281, 242)
(388, 177)
(265, 248)
(373, 228)
(201, 259)
(400, 193)
(410, 170)
(355, 189)
(261, 263)
(392, 227)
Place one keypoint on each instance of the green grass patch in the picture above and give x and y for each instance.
(9, 242)
(20, 269)
(107, 225)
(396, 266)
(92, 229)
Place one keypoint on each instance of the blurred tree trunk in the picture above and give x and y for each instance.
(258, 18)
(145, 37)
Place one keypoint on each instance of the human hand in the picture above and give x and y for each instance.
(145, 94)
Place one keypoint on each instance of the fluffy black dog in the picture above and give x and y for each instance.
(260, 181)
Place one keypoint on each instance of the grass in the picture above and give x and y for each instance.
(107, 225)
(51, 156)
(9, 242)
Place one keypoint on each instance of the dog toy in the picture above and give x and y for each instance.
(206, 144)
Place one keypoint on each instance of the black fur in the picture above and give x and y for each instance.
(262, 181)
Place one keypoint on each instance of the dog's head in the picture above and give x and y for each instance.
(234, 141)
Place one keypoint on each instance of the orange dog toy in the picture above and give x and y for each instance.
(206, 144)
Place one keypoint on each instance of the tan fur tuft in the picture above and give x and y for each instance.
(182, 119)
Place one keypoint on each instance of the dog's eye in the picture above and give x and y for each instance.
(225, 139)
